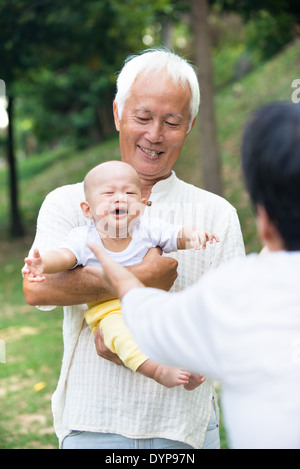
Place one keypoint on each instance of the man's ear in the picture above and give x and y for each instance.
(86, 209)
(267, 230)
(193, 123)
(116, 116)
(263, 223)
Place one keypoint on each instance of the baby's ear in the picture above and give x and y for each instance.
(86, 209)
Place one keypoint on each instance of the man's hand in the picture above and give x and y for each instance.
(117, 279)
(157, 271)
(103, 351)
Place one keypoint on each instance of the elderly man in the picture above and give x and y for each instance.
(98, 404)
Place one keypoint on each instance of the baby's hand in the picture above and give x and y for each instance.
(199, 238)
(34, 267)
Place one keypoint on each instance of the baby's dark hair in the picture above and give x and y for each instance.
(271, 166)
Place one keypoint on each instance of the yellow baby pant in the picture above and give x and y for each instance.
(117, 337)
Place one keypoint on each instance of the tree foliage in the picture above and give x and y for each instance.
(64, 55)
(69, 53)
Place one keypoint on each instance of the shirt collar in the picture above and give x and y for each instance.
(165, 185)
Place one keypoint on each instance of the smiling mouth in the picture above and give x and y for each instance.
(151, 153)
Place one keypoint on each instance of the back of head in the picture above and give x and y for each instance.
(155, 61)
(271, 165)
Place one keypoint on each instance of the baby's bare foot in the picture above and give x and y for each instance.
(171, 377)
(194, 382)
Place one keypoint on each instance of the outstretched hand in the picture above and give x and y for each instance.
(116, 279)
(199, 238)
(34, 267)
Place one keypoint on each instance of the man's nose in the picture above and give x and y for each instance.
(155, 132)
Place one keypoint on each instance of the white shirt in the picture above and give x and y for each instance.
(94, 394)
(147, 233)
(240, 325)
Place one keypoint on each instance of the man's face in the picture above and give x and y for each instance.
(154, 125)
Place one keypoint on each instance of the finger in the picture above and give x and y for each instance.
(103, 351)
(202, 238)
(97, 341)
(195, 240)
(102, 257)
(38, 279)
(211, 237)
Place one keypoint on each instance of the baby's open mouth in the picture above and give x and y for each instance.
(119, 212)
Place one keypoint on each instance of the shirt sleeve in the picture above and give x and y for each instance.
(174, 329)
(163, 234)
(57, 217)
(76, 242)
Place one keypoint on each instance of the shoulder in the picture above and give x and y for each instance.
(70, 192)
(62, 207)
(83, 230)
(236, 274)
(197, 195)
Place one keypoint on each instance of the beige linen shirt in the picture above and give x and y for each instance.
(96, 395)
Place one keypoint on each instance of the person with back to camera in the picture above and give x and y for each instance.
(241, 323)
(98, 404)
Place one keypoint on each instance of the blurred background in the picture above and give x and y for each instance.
(59, 61)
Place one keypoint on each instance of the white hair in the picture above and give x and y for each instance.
(177, 68)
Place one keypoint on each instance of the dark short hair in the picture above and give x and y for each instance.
(271, 166)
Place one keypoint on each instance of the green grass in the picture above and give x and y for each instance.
(33, 339)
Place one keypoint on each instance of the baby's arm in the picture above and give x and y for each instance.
(194, 238)
(49, 263)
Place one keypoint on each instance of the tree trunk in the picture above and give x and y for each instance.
(211, 162)
(16, 227)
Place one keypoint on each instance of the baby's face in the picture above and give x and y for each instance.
(115, 200)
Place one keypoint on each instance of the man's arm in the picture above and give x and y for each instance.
(83, 285)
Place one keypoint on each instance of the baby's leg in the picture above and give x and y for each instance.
(165, 375)
(119, 340)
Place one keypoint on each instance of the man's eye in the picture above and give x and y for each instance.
(143, 119)
(172, 124)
